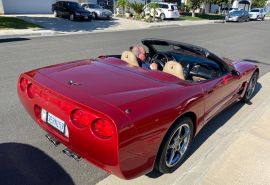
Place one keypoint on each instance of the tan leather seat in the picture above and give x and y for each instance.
(130, 58)
(174, 68)
(197, 79)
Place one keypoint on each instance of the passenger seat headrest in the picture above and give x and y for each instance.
(174, 68)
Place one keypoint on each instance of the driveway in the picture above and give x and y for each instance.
(60, 25)
(50, 22)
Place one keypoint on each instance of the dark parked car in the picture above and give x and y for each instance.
(238, 16)
(70, 10)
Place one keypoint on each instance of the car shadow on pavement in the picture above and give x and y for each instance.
(64, 25)
(22, 164)
(211, 127)
(13, 40)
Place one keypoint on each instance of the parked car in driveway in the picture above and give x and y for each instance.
(237, 16)
(257, 13)
(97, 11)
(71, 10)
(165, 11)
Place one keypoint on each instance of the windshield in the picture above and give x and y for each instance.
(254, 10)
(94, 6)
(236, 13)
(73, 5)
(164, 46)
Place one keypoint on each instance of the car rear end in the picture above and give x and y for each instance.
(84, 124)
(172, 12)
(254, 14)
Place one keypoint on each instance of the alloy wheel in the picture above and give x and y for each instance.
(251, 86)
(178, 145)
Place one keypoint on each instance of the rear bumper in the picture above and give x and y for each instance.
(103, 153)
(173, 15)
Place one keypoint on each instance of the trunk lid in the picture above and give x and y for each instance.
(114, 81)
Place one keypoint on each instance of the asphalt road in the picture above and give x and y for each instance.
(27, 156)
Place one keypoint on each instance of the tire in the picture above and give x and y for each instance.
(257, 18)
(55, 14)
(251, 87)
(174, 146)
(162, 16)
(263, 18)
(71, 17)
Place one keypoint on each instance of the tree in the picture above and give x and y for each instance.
(123, 4)
(153, 7)
(220, 2)
(137, 7)
(194, 5)
(258, 3)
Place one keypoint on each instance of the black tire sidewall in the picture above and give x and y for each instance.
(160, 162)
(162, 15)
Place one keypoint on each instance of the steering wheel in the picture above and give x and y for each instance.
(161, 59)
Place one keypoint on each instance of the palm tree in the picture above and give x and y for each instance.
(123, 4)
(137, 7)
(154, 6)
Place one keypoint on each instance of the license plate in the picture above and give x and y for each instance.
(56, 122)
(85, 17)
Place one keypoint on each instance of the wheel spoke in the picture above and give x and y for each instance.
(186, 134)
(182, 149)
(178, 134)
(171, 157)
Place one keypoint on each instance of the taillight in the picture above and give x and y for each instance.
(33, 90)
(23, 84)
(81, 118)
(37, 110)
(103, 128)
(30, 91)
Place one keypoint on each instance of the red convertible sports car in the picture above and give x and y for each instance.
(128, 120)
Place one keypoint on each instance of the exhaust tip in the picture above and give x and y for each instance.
(54, 141)
(72, 154)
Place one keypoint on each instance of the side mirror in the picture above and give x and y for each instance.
(235, 73)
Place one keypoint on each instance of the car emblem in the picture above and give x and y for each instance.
(71, 82)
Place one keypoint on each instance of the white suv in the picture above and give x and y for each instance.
(165, 10)
(257, 13)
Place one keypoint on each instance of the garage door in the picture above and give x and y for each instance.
(27, 6)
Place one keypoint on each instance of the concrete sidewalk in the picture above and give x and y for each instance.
(236, 153)
(58, 26)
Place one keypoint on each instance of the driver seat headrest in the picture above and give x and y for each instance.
(130, 58)
(174, 68)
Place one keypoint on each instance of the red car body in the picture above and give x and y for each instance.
(140, 105)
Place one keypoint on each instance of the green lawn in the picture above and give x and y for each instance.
(187, 16)
(15, 23)
(268, 15)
